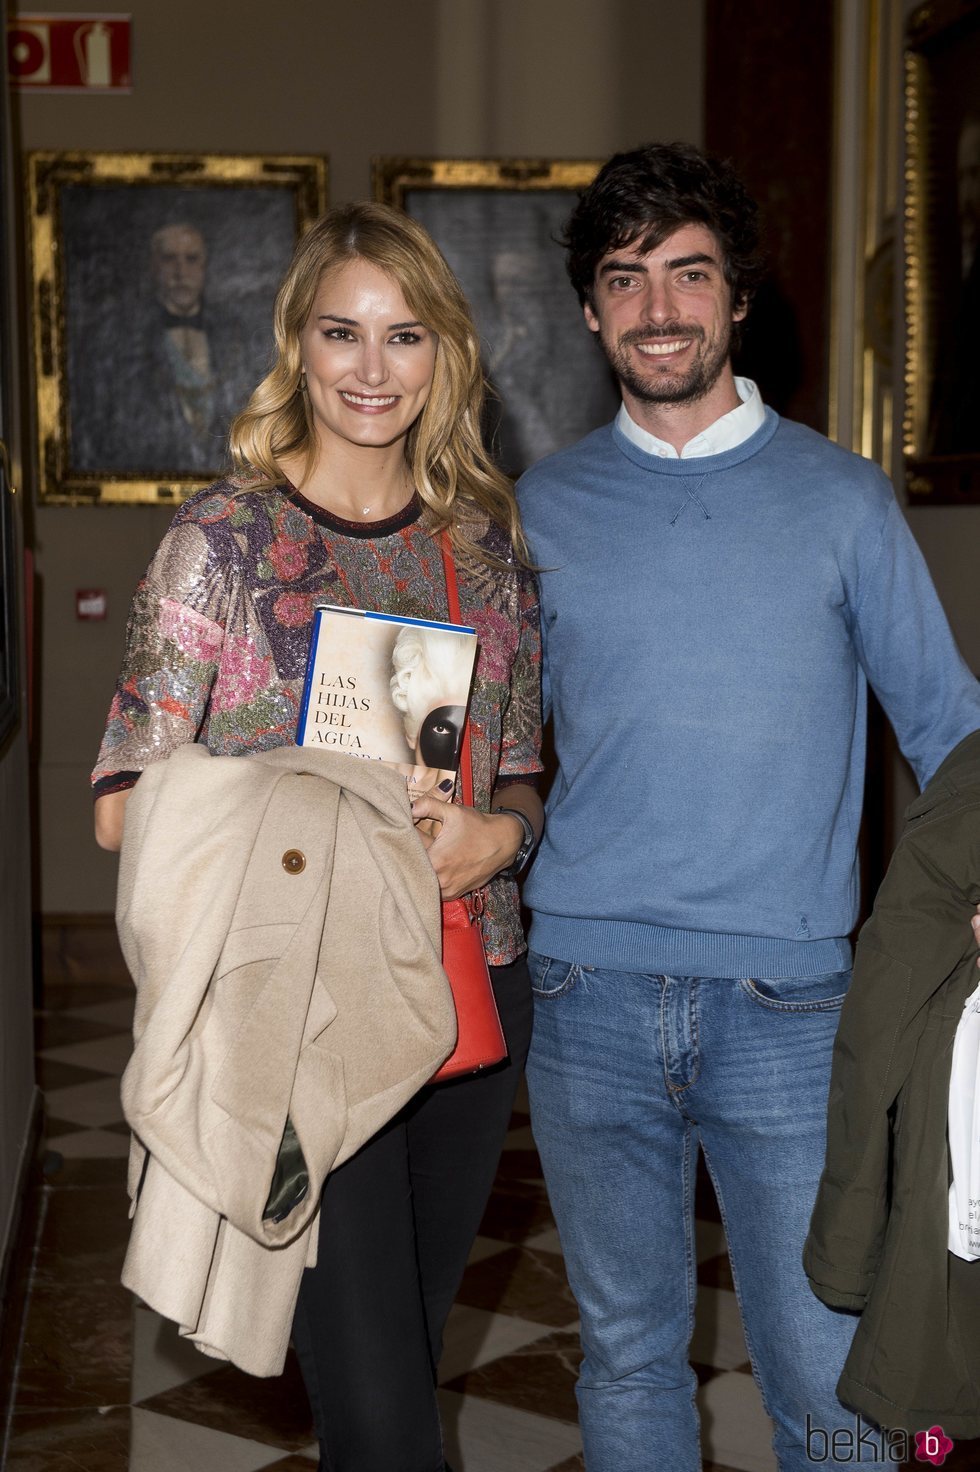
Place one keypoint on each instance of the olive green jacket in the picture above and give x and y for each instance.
(878, 1236)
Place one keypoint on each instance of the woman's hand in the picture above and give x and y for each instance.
(468, 847)
(975, 922)
(110, 812)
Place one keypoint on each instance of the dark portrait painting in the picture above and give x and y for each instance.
(550, 383)
(161, 289)
(169, 321)
(943, 253)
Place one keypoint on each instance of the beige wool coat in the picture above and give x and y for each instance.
(281, 921)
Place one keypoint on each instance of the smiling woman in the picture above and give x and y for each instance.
(356, 453)
(367, 369)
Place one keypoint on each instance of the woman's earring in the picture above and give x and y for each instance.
(301, 386)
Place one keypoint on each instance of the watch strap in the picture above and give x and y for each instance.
(521, 859)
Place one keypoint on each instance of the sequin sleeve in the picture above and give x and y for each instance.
(173, 646)
(520, 750)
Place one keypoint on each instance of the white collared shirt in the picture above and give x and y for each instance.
(726, 433)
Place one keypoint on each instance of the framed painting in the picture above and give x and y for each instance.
(499, 222)
(153, 278)
(942, 253)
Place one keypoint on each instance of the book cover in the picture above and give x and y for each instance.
(389, 689)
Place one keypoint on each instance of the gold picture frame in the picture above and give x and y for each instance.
(865, 304)
(498, 223)
(941, 428)
(153, 277)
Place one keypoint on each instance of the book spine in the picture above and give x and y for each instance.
(308, 682)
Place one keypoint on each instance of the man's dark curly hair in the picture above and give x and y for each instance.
(640, 197)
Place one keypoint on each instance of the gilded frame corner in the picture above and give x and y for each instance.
(63, 476)
(393, 178)
(942, 458)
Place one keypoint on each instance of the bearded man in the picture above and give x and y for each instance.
(718, 587)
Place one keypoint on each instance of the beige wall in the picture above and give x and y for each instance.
(559, 78)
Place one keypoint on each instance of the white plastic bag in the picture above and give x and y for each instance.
(964, 1134)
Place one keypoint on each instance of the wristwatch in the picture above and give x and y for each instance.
(522, 858)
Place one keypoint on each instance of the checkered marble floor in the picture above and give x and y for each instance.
(105, 1385)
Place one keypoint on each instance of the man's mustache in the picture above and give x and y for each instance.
(671, 329)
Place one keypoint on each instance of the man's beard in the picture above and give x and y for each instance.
(681, 387)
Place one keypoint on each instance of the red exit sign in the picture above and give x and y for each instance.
(69, 53)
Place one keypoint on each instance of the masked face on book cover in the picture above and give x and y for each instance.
(431, 672)
(441, 736)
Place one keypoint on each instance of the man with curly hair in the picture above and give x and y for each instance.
(718, 588)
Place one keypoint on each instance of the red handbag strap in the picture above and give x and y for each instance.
(452, 593)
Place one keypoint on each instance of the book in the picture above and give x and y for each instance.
(389, 689)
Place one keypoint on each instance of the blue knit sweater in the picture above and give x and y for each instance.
(709, 627)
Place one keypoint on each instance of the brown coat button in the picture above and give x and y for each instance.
(293, 861)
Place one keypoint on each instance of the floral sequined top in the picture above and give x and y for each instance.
(220, 627)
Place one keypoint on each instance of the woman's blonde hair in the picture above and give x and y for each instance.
(450, 467)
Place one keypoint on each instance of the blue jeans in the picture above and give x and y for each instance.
(628, 1075)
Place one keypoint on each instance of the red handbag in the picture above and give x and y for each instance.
(480, 1038)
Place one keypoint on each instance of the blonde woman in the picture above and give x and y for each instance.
(354, 453)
